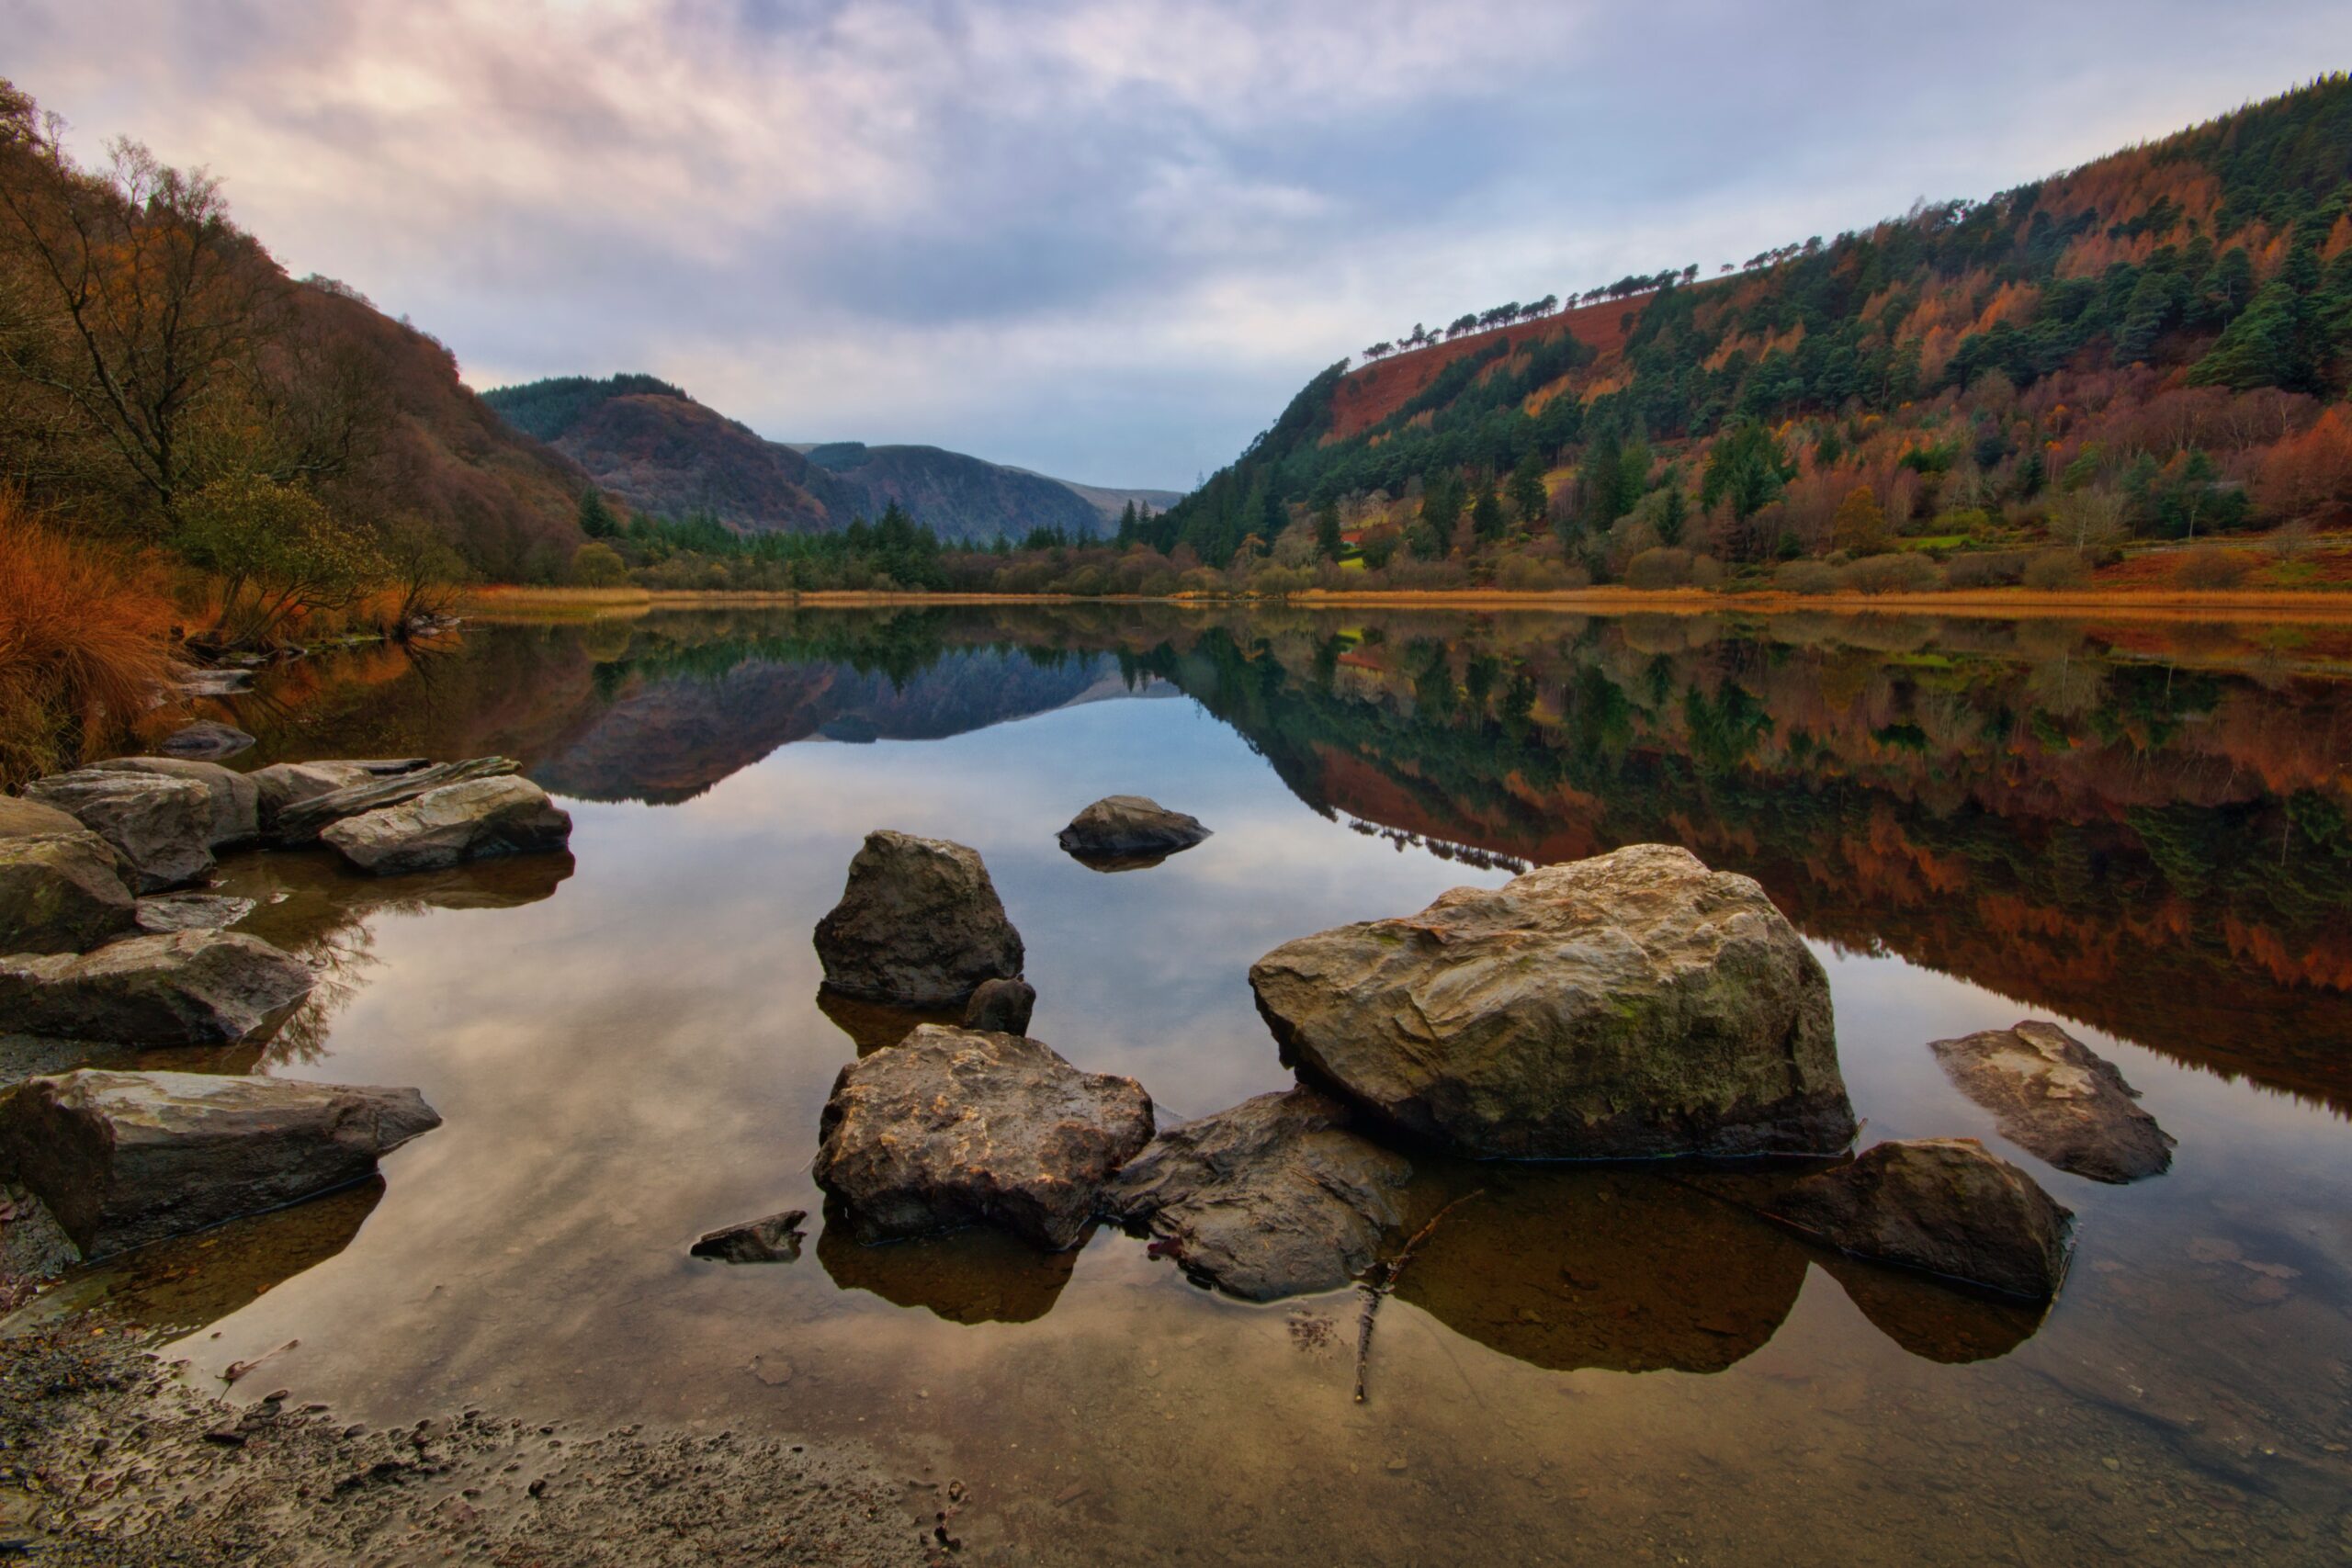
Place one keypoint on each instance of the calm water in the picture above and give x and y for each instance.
(2140, 831)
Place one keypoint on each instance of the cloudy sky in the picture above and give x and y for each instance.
(1102, 237)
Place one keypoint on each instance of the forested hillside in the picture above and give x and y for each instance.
(2153, 347)
(959, 498)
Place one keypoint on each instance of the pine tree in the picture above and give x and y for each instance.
(596, 519)
(1326, 530)
(1527, 491)
(1487, 519)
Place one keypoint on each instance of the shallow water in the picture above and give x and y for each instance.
(2139, 830)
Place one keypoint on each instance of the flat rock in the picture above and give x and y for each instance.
(1634, 1005)
(162, 826)
(282, 785)
(1945, 1205)
(1002, 1007)
(123, 1159)
(2055, 1097)
(189, 988)
(192, 911)
(1130, 828)
(1275, 1197)
(62, 889)
(776, 1239)
(206, 738)
(236, 799)
(451, 824)
(955, 1127)
(918, 924)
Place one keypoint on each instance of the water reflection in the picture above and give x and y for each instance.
(966, 1275)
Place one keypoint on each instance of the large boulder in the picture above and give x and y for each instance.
(1634, 1005)
(122, 1159)
(1275, 1197)
(449, 826)
(236, 799)
(206, 738)
(189, 988)
(955, 1127)
(2054, 1096)
(62, 889)
(918, 924)
(162, 826)
(1129, 829)
(282, 785)
(1944, 1205)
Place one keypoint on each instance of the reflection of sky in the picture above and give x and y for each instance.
(640, 1058)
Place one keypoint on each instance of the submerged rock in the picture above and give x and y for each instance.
(451, 824)
(162, 826)
(236, 799)
(206, 739)
(1945, 1205)
(918, 924)
(62, 889)
(1002, 1007)
(776, 1239)
(126, 1158)
(2055, 1097)
(1130, 829)
(1275, 1197)
(1634, 1005)
(189, 988)
(957, 1127)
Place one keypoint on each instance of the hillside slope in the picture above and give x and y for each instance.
(960, 498)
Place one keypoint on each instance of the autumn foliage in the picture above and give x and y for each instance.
(82, 644)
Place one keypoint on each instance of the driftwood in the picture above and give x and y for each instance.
(305, 820)
(1376, 1286)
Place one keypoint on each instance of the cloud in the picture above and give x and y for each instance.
(1105, 238)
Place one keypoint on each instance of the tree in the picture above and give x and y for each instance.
(1327, 542)
(1746, 471)
(1440, 508)
(596, 519)
(1527, 496)
(597, 565)
(2269, 344)
(1487, 519)
(1860, 526)
(279, 554)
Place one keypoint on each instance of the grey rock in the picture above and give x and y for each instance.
(1002, 1007)
(282, 785)
(162, 826)
(207, 739)
(302, 822)
(1944, 1205)
(776, 1239)
(1275, 1197)
(236, 799)
(955, 1127)
(122, 1159)
(1633, 1005)
(62, 889)
(192, 911)
(191, 988)
(215, 683)
(449, 826)
(918, 924)
(1131, 829)
(2054, 1096)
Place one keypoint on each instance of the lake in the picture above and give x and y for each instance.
(2142, 830)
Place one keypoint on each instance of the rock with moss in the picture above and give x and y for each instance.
(1634, 1005)
(62, 889)
(188, 988)
(162, 826)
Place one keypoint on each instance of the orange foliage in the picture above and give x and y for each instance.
(2309, 475)
(83, 645)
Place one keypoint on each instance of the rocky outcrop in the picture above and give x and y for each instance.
(1002, 1007)
(776, 1239)
(449, 826)
(162, 826)
(1130, 829)
(1634, 1005)
(918, 924)
(282, 785)
(301, 821)
(190, 987)
(236, 799)
(955, 1127)
(2056, 1098)
(1275, 1197)
(62, 889)
(207, 740)
(122, 1159)
(1944, 1205)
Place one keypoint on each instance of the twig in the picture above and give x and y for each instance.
(239, 1369)
(1383, 1280)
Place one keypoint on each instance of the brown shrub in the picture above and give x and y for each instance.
(2210, 566)
(1986, 568)
(1890, 574)
(1658, 567)
(2052, 570)
(84, 645)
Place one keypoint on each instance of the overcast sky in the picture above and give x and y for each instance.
(1106, 239)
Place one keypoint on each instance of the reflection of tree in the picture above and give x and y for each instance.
(341, 958)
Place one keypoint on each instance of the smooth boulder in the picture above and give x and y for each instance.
(1130, 827)
(1634, 1005)
(162, 826)
(1002, 1007)
(122, 1159)
(1274, 1197)
(62, 889)
(206, 738)
(955, 1127)
(189, 988)
(1944, 1205)
(918, 924)
(2053, 1095)
(236, 799)
(452, 825)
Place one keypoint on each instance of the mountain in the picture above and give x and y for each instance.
(657, 448)
(2154, 346)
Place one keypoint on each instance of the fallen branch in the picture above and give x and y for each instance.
(1383, 1280)
(239, 1369)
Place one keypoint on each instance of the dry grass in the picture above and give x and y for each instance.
(84, 645)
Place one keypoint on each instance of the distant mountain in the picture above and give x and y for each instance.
(657, 448)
